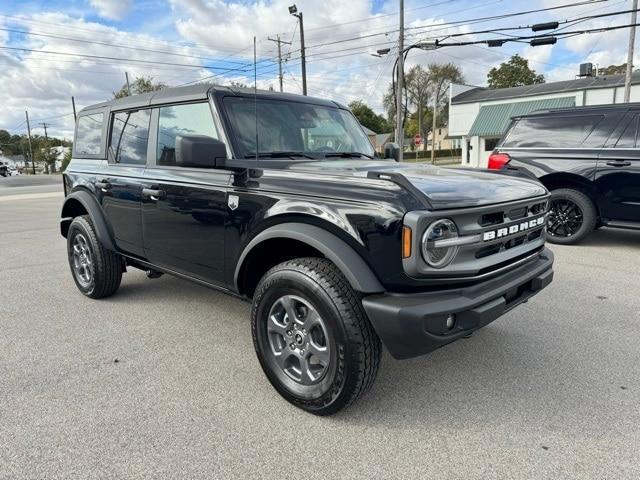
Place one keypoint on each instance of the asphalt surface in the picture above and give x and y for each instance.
(161, 381)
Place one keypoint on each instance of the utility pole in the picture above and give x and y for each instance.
(73, 103)
(46, 147)
(632, 42)
(293, 10)
(400, 84)
(33, 164)
(126, 76)
(279, 42)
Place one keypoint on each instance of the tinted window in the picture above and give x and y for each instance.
(294, 127)
(628, 137)
(555, 132)
(89, 135)
(129, 135)
(177, 120)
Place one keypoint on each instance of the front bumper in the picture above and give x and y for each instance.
(414, 324)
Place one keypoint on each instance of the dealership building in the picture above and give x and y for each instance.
(479, 116)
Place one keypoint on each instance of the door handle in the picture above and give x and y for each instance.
(619, 163)
(154, 195)
(104, 186)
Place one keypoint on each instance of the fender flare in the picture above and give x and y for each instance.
(93, 209)
(352, 266)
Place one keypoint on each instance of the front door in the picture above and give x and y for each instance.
(120, 184)
(618, 176)
(184, 209)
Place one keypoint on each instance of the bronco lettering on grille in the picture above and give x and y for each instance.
(517, 228)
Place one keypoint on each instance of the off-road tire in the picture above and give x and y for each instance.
(106, 265)
(589, 215)
(355, 357)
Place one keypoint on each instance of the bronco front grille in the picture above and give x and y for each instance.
(493, 237)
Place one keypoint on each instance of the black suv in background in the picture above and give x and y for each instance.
(277, 198)
(588, 157)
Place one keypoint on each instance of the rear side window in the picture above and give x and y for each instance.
(88, 135)
(129, 137)
(552, 132)
(190, 119)
(628, 137)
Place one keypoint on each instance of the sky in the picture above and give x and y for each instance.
(48, 48)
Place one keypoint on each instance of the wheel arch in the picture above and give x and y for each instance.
(83, 203)
(554, 181)
(290, 240)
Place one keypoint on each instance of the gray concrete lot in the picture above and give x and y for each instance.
(161, 381)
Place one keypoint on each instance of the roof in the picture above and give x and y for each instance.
(481, 94)
(199, 92)
(493, 120)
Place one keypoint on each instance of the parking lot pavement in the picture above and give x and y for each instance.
(161, 381)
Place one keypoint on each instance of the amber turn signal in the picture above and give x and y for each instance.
(406, 242)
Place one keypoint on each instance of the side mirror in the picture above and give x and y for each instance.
(392, 150)
(199, 151)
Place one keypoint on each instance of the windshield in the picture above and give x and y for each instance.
(290, 128)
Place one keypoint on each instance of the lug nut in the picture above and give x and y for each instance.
(301, 352)
(293, 346)
(289, 332)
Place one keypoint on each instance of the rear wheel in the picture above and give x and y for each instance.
(96, 270)
(312, 336)
(572, 216)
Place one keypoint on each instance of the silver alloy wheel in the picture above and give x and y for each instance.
(298, 339)
(82, 260)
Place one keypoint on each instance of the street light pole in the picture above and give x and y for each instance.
(632, 42)
(293, 10)
(400, 83)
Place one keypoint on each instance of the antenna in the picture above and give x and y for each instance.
(255, 93)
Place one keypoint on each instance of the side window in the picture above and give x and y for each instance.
(192, 119)
(88, 135)
(129, 136)
(628, 137)
(552, 131)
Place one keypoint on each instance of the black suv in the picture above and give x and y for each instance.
(277, 198)
(588, 157)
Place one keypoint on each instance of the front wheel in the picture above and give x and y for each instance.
(572, 216)
(312, 336)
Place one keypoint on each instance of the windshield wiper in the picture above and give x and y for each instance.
(346, 154)
(283, 154)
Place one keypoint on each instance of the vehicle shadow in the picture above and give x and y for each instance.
(508, 370)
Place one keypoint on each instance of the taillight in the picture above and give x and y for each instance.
(498, 160)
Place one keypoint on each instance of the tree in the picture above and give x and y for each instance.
(418, 85)
(65, 160)
(139, 85)
(514, 73)
(48, 155)
(613, 70)
(440, 77)
(367, 117)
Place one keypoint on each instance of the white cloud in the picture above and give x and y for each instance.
(112, 9)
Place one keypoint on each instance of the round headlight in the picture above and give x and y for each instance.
(441, 256)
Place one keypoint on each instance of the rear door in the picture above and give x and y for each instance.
(618, 173)
(121, 180)
(184, 209)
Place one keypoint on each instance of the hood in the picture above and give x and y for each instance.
(444, 187)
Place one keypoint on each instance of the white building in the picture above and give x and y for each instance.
(479, 116)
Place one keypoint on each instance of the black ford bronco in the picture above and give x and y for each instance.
(278, 199)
